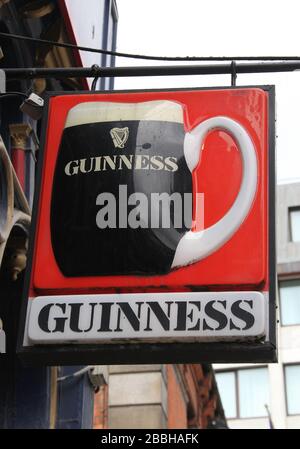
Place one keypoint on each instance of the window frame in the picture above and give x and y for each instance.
(236, 391)
(284, 366)
(286, 279)
(290, 210)
(237, 395)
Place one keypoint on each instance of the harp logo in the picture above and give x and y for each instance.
(119, 136)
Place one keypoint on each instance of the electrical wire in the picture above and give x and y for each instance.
(95, 80)
(13, 94)
(148, 57)
(19, 94)
(94, 83)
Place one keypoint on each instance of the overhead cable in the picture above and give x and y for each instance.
(148, 57)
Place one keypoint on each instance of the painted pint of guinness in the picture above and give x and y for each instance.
(104, 146)
(122, 167)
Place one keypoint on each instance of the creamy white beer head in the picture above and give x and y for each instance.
(95, 112)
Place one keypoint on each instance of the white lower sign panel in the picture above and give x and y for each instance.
(213, 316)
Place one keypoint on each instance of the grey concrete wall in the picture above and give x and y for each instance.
(138, 397)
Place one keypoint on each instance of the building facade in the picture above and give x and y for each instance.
(159, 397)
(264, 396)
(40, 397)
(151, 396)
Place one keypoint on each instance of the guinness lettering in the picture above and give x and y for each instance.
(171, 315)
(121, 162)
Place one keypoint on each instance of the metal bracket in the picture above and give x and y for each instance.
(233, 73)
(98, 376)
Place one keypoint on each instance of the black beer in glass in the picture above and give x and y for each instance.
(105, 149)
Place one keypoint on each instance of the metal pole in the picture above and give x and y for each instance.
(94, 71)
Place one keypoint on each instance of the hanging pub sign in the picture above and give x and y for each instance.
(153, 232)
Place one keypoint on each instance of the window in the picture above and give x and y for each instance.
(294, 218)
(292, 386)
(290, 302)
(244, 393)
(226, 385)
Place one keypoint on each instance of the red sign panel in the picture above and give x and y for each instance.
(149, 195)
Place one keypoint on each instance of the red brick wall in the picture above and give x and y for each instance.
(199, 404)
(101, 408)
(177, 414)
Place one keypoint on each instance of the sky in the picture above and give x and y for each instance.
(220, 28)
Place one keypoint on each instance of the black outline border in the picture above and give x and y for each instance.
(145, 353)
